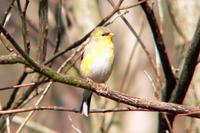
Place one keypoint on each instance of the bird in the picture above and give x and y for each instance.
(97, 62)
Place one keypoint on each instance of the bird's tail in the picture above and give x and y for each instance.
(85, 106)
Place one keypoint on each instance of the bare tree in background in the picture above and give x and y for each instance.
(155, 82)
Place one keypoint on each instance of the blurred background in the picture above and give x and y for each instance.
(133, 74)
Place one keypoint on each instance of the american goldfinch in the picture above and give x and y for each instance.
(97, 62)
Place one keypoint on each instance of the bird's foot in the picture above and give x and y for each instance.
(89, 80)
(104, 86)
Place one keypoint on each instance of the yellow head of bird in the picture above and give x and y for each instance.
(102, 32)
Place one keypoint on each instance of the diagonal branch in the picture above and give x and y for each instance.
(12, 58)
(24, 24)
(6, 13)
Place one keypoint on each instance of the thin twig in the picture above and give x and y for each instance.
(23, 85)
(186, 111)
(131, 6)
(168, 122)
(24, 24)
(8, 124)
(6, 14)
(57, 108)
(116, 17)
(156, 93)
(59, 27)
(43, 31)
(73, 126)
(5, 44)
(6, 17)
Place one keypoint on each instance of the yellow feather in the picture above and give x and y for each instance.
(98, 48)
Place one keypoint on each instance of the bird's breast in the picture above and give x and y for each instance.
(97, 64)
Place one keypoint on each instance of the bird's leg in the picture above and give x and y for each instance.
(104, 86)
(89, 80)
(99, 85)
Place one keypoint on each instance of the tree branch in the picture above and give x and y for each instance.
(43, 31)
(6, 14)
(23, 85)
(12, 58)
(24, 24)
(188, 69)
(177, 109)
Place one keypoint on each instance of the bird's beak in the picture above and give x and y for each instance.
(111, 34)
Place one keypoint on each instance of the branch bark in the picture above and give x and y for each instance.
(43, 24)
(12, 58)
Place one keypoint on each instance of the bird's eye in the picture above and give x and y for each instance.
(105, 34)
